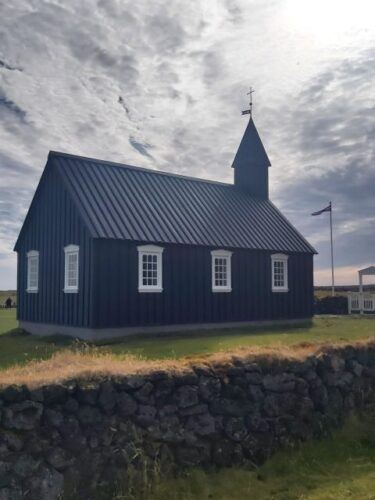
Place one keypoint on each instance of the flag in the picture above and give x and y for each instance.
(326, 209)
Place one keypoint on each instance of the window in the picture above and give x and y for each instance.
(279, 273)
(32, 271)
(71, 269)
(150, 268)
(221, 271)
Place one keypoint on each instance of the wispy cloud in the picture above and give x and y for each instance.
(10, 110)
(140, 147)
(161, 84)
(330, 136)
(9, 67)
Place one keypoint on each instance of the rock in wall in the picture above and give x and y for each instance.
(239, 412)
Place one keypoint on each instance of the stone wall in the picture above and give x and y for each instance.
(238, 412)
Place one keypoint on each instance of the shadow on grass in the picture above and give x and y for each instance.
(15, 332)
(18, 333)
(277, 328)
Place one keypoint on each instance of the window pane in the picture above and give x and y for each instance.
(32, 272)
(220, 271)
(150, 270)
(71, 270)
(279, 273)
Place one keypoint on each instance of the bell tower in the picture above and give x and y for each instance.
(251, 161)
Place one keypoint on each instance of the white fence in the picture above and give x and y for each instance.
(361, 302)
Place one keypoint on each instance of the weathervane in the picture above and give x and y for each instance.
(250, 110)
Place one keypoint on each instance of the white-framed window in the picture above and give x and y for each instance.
(279, 272)
(71, 272)
(150, 268)
(32, 271)
(221, 271)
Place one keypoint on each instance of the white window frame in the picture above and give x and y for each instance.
(150, 250)
(31, 255)
(222, 254)
(68, 251)
(280, 257)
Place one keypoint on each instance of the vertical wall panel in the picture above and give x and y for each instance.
(53, 225)
(187, 296)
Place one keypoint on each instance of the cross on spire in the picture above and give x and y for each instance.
(250, 110)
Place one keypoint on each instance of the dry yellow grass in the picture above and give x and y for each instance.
(92, 364)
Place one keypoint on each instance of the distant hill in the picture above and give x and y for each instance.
(321, 291)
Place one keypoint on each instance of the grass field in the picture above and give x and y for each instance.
(17, 347)
(335, 468)
(339, 467)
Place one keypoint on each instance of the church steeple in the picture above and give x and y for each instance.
(251, 162)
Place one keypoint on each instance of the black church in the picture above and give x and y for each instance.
(108, 249)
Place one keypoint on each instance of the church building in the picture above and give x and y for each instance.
(110, 249)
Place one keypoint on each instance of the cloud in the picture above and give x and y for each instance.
(142, 148)
(15, 197)
(343, 275)
(9, 67)
(10, 108)
(329, 134)
(162, 85)
(10, 167)
(123, 104)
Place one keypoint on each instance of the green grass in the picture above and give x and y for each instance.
(322, 329)
(319, 293)
(7, 320)
(339, 467)
(17, 347)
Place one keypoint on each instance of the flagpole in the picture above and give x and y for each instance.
(332, 265)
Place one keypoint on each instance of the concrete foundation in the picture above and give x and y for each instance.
(45, 329)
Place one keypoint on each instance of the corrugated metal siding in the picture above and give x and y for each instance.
(187, 295)
(123, 202)
(53, 224)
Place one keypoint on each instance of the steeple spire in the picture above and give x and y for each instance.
(251, 161)
(250, 110)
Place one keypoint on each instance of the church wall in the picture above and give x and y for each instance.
(53, 224)
(187, 295)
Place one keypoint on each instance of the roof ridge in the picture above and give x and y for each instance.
(133, 167)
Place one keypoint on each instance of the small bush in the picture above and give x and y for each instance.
(331, 305)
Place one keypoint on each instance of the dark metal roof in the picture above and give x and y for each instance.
(131, 203)
(251, 150)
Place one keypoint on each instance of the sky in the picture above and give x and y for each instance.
(162, 85)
